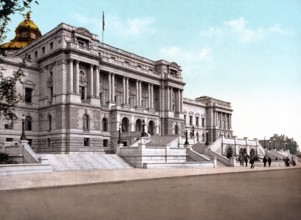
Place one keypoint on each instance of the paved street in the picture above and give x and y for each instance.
(252, 195)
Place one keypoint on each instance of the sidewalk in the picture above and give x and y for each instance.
(74, 178)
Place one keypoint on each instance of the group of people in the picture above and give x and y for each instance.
(267, 160)
(244, 159)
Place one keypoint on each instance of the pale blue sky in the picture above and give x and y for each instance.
(244, 52)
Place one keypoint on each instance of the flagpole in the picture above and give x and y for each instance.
(103, 25)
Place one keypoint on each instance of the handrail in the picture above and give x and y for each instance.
(29, 155)
(203, 157)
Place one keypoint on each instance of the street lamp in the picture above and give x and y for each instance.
(186, 136)
(207, 137)
(119, 134)
(23, 137)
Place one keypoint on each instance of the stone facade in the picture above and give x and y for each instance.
(82, 92)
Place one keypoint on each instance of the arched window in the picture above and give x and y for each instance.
(139, 125)
(49, 122)
(125, 125)
(151, 127)
(85, 122)
(28, 123)
(176, 129)
(104, 124)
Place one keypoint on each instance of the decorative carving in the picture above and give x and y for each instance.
(83, 31)
(82, 77)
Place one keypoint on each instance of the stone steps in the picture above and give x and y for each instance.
(84, 161)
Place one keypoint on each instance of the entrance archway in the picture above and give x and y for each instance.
(151, 127)
(125, 124)
(138, 125)
(229, 152)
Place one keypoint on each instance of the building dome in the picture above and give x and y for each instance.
(26, 32)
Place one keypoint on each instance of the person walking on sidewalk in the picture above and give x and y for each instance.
(246, 160)
(264, 161)
(252, 160)
(269, 161)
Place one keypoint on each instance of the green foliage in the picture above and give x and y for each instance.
(8, 94)
(8, 8)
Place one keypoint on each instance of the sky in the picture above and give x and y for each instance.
(244, 52)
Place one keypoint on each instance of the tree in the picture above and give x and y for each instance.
(8, 94)
(8, 8)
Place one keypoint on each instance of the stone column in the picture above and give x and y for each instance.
(178, 101)
(230, 121)
(149, 96)
(90, 84)
(76, 80)
(70, 76)
(97, 82)
(124, 90)
(140, 93)
(113, 87)
(152, 96)
(137, 93)
(167, 98)
(110, 86)
(181, 100)
(127, 91)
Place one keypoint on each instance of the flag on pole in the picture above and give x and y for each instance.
(103, 21)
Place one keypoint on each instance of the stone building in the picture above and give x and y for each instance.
(78, 93)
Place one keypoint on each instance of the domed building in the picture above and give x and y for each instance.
(26, 32)
(83, 95)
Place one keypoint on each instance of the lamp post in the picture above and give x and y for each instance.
(23, 137)
(207, 137)
(119, 134)
(186, 136)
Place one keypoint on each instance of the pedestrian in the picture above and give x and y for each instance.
(269, 161)
(287, 162)
(264, 161)
(246, 160)
(293, 162)
(252, 160)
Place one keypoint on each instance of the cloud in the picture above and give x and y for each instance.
(125, 28)
(238, 29)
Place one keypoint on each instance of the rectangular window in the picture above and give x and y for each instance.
(185, 119)
(48, 142)
(9, 139)
(36, 54)
(105, 143)
(86, 142)
(8, 124)
(197, 121)
(190, 120)
(43, 50)
(203, 122)
(51, 45)
(29, 57)
(28, 95)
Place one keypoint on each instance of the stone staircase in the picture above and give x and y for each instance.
(161, 141)
(84, 161)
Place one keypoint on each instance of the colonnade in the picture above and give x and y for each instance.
(223, 120)
(173, 96)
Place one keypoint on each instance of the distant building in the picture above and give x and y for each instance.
(279, 142)
(79, 92)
